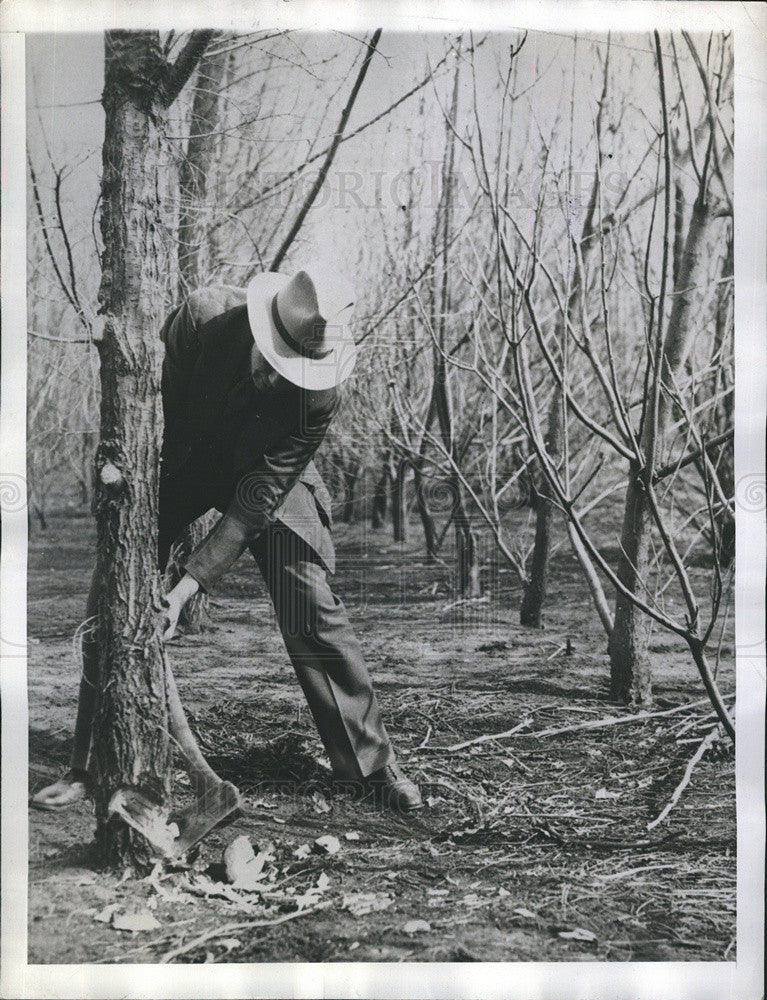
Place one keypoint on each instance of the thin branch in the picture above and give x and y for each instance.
(666, 470)
(228, 928)
(323, 171)
(704, 745)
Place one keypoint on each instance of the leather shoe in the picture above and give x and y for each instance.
(392, 789)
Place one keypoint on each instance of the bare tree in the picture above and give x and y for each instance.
(665, 394)
(130, 734)
(630, 668)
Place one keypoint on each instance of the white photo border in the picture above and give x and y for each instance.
(740, 980)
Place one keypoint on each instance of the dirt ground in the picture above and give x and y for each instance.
(533, 847)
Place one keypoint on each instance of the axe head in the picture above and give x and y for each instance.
(173, 834)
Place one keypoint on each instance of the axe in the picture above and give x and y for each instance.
(173, 833)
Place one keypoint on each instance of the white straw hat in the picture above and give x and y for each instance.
(301, 325)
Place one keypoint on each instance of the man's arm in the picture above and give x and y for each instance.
(258, 496)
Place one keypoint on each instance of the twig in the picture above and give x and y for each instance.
(704, 745)
(228, 928)
(320, 179)
(426, 738)
(466, 600)
(618, 720)
(483, 739)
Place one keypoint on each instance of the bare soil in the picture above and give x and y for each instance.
(533, 847)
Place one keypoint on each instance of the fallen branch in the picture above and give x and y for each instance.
(484, 599)
(488, 738)
(704, 745)
(619, 720)
(228, 928)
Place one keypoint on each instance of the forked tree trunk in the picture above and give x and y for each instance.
(130, 727)
(630, 672)
(535, 588)
(130, 735)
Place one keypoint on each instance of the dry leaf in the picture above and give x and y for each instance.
(244, 868)
(327, 844)
(351, 835)
(302, 852)
(320, 803)
(106, 914)
(238, 854)
(416, 926)
(578, 934)
(138, 920)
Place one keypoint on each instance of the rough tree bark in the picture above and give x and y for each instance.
(130, 736)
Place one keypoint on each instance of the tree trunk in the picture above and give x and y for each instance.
(724, 416)
(398, 503)
(351, 476)
(468, 557)
(130, 741)
(194, 262)
(424, 512)
(381, 498)
(535, 588)
(466, 546)
(196, 176)
(630, 673)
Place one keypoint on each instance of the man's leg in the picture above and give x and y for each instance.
(325, 654)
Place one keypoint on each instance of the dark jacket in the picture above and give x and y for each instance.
(249, 453)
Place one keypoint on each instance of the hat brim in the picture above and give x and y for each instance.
(309, 373)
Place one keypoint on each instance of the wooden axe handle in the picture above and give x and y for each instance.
(197, 766)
